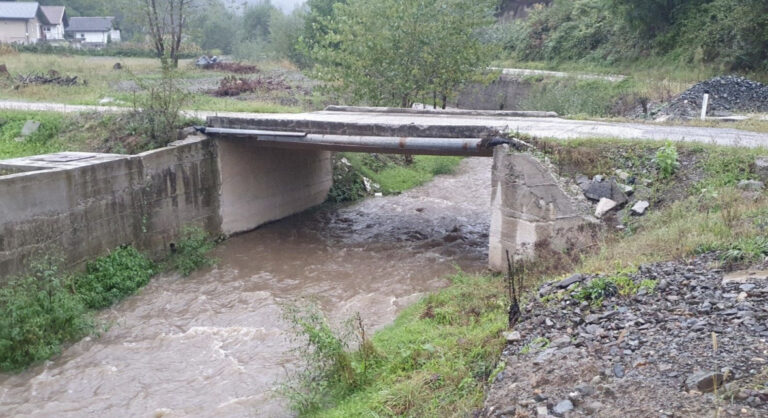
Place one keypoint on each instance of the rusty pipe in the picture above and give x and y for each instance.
(357, 143)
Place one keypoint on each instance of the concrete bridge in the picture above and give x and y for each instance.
(254, 169)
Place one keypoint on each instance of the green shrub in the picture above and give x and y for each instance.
(111, 278)
(38, 313)
(596, 290)
(191, 251)
(667, 160)
(331, 370)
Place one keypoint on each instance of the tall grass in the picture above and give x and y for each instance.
(435, 360)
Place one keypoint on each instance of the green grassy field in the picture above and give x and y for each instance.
(104, 82)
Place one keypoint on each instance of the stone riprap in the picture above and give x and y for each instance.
(659, 349)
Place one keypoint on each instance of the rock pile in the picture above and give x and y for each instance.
(611, 195)
(673, 339)
(727, 94)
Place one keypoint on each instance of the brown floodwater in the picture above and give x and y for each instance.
(214, 345)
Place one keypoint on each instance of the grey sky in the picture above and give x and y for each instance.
(286, 6)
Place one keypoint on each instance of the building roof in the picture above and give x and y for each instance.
(54, 14)
(90, 24)
(18, 10)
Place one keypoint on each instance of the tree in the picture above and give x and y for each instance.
(395, 52)
(285, 31)
(165, 20)
(256, 20)
(319, 15)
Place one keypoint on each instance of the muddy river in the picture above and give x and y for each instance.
(214, 345)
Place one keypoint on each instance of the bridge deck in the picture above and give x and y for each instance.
(475, 126)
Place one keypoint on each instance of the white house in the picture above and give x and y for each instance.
(93, 31)
(21, 22)
(54, 28)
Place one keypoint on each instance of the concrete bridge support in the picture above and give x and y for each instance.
(81, 205)
(532, 213)
(260, 185)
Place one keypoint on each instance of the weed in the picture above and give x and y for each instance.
(331, 369)
(433, 361)
(113, 277)
(538, 344)
(158, 113)
(190, 253)
(390, 172)
(745, 250)
(648, 285)
(667, 160)
(39, 313)
(596, 290)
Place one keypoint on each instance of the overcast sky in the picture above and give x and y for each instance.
(286, 6)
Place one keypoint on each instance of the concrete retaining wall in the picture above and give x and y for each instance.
(504, 93)
(531, 214)
(80, 205)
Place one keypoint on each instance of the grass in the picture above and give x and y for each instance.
(105, 82)
(435, 360)
(48, 308)
(391, 172)
(698, 206)
(89, 132)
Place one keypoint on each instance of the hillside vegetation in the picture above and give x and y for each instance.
(729, 35)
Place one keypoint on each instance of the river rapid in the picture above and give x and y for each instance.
(214, 344)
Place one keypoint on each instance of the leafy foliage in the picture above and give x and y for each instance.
(191, 251)
(433, 361)
(157, 115)
(731, 33)
(39, 313)
(397, 52)
(667, 160)
(113, 277)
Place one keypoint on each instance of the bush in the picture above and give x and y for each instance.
(157, 115)
(39, 313)
(331, 370)
(667, 160)
(190, 253)
(112, 278)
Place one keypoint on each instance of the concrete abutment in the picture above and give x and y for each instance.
(81, 205)
(532, 214)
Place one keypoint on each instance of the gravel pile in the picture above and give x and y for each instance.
(727, 94)
(649, 353)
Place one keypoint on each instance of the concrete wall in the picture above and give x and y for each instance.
(84, 208)
(531, 213)
(81, 205)
(504, 93)
(260, 185)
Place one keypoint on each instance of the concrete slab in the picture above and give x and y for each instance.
(540, 127)
(58, 160)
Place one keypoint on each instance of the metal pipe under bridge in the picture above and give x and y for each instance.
(366, 130)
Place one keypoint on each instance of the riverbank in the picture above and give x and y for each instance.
(48, 308)
(685, 338)
(214, 343)
(711, 199)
